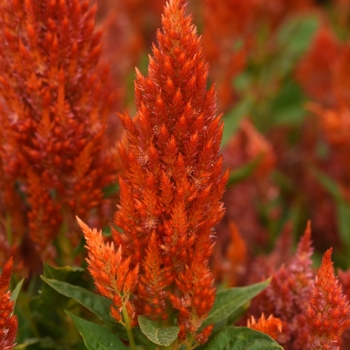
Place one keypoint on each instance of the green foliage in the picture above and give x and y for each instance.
(16, 290)
(227, 301)
(159, 335)
(95, 336)
(244, 172)
(239, 338)
(342, 209)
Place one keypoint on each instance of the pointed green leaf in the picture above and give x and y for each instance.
(97, 304)
(229, 300)
(16, 290)
(163, 336)
(239, 338)
(95, 336)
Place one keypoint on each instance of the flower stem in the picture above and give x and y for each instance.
(128, 328)
(190, 342)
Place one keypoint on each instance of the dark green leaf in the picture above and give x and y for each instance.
(244, 172)
(342, 206)
(66, 273)
(110, 190)
(95, 336)
(97, 304)
(241, 338)
(229, 300)
(163, 336)
(288, 107)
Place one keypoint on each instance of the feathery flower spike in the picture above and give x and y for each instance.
(172, 182)
(328, 314)
(8, 322)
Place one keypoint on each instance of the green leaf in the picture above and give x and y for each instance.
(110, 190)
(163, 336)
(288, 107)
(45, 344)
(233, 117)
(229, 300)
(297, 32)
(16, 290)
(66, 273)
(244, 172)
(26, 344)
(95, 303)
(342, 206)
(95, 336)
(241, 338)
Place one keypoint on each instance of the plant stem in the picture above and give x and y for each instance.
(128, 328)
(190, 342)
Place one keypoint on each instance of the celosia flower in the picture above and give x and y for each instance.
(55, 101)
(8, 322)
(172, 181)
(271, 325)
(328, 314)
(287, 296)
(111, 272)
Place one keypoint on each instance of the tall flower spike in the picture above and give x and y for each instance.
(172, 181)
(8, 322)
(328, 314)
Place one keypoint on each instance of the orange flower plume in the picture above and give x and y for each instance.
(8, 322)
(328, 314)
(55, 101)
(172, 181)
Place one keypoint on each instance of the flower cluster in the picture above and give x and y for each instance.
(312, 307)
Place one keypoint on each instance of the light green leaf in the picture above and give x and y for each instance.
(241, 338)
(163, 336)
(16, 290)
(293, 39)
(95, 336)
(229, 300)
